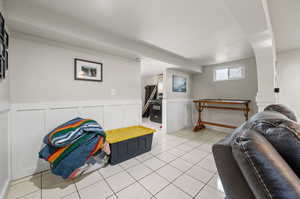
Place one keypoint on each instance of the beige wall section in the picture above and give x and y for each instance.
(204, 86)
(288, 65)
(43, 71)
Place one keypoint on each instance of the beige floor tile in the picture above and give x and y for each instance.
(87, 180)
(72, 196)
(205, 147)
(166, 157)
(209, 192)
(129, 163)
(154, 163)
(200, 174)
(185, 147)
(50, 180)
(35, 195)
(110, 170)
(188, 184)
(216, 183)
(169, 172)
(135, 191)
(59, 191)
(100, 190)
(176, 152)
(208, 163)
(120, 181)
(25, 187)
(154, 183)
(144, 157)
(181, 164)
(139, 171)
(195, 156)
(172, 192)
(13, 182)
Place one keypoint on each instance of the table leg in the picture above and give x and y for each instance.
(199, 124)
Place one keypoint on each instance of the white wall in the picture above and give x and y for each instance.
(4, 128)
(43, 71)
(288, 65)
(204, 86)
(4, 150)
(177, 107)
(44, 94)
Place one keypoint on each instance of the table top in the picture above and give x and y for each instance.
(223, 101)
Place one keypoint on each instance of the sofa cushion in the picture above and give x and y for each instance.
(283, 110)
(265, 171)
(282, 133)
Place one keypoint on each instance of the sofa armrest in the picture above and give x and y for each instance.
(234, 183)
(265, 171)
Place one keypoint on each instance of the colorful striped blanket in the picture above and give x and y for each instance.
(71, 144)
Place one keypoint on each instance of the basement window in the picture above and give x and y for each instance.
(229, 73)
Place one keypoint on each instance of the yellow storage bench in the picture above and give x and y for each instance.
(126, 143)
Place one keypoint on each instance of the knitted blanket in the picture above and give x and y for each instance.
(71, 144)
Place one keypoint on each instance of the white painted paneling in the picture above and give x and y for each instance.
(178, 114)
(93, 112)
(113, 117)
(132, 115)
(58, 116)
(4, 152)
(31, 122)
(28, 130)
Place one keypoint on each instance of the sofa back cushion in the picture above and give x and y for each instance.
(265, 171)
(282, 133)
(283, 110)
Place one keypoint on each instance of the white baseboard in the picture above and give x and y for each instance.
(5, 190)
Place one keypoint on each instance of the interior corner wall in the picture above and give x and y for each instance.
(43, 71)
(204, 86)
(288, 72)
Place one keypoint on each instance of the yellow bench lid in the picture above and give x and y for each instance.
(118, 135)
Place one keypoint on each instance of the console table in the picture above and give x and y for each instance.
(243, 105)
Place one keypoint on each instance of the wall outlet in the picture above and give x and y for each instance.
(113, 92)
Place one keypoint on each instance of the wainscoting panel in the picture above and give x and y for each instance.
(28, 128)
(4, 150)
(93, 112)
(57, 116)
(31, 122)
(178, 114)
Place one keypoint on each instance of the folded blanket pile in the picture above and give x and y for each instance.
(71, 145)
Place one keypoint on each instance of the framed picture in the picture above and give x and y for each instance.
(88, 70)
(179, 84)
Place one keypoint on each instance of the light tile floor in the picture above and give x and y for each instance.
(180, 165)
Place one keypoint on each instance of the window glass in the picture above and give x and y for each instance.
(236, 73)
(221, 74)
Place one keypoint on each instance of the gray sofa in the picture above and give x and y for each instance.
(261, 159)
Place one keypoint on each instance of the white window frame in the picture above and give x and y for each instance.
(228, 75)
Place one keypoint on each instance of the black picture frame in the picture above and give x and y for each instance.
(90, 68)
(2, 26)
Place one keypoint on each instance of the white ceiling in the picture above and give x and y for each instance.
(201, 31)
(285, 17)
